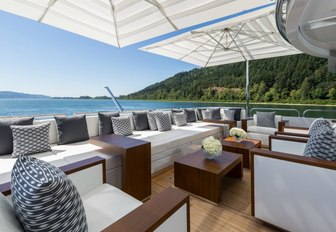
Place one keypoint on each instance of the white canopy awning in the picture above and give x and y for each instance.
(124, 22)
(247, 37)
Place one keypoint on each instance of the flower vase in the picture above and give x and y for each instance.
(238, 139)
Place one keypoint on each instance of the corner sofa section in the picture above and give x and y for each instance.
(165, 146)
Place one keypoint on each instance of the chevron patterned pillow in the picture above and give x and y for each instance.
(163, 122)
(32, 139)
(229, 114)
(319, 125)
(152, 120)
(266, 119)
(180, 119)
(44, 198)
(322, 145)
(122, 126)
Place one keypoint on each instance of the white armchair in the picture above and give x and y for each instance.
(109, 209)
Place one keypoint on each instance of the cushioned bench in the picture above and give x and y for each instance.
(166, 147)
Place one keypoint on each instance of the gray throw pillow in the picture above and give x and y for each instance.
(173, 111)
(71, 129)
(105, 123)
(237, 116)
(199, 113)
(190, 114)
(31, 139)
(122, 126)
(322, 145)
(180, 119)
(215, 113)
(266, 119)
(229, 115)
(163, 122)
(205, 114)
(140, 121)
(6, 137)
(319, 125)
(152, 120)
(44, 198)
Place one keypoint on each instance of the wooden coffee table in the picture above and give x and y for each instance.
(198, 175)
(243, 147)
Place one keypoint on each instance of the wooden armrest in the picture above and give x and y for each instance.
(5, 188)
(297, 128)
(293, 158)
(244, 123)
(292, 134)
(282, 124)
(153, 212)
(288, 138)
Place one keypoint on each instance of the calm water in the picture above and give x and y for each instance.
(13, 107)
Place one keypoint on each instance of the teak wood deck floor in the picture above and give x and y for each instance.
(231, 215)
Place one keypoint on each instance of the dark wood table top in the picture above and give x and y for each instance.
(119, 140)
(244, 144)
(217, 165)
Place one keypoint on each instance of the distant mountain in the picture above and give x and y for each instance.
(288, 79)
(10, 94)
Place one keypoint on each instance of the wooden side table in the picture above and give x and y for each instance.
(135, 161)
(243, 147)
(196, 174)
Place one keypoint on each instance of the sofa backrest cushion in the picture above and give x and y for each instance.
(266, 119)
(8, 220)
(140, 121)
(44, 198)
(190, 114)
(163, 122)
(71, 129)
(105, 123)
(6, 138)
(28, 140)
(215, 113)
(122, 125)
(322, 145)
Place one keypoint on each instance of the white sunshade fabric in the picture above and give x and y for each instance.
(124, 22)
(246, 37)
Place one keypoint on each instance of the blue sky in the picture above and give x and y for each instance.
(37, 58)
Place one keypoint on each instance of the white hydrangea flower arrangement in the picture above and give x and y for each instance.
(238, 133)
(212, 147)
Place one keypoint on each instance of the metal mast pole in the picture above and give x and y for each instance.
(247, 88)
(116, 103)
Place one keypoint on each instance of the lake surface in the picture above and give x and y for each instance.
(16, 107)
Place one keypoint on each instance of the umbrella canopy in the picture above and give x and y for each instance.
(247, 37)
(124, 22)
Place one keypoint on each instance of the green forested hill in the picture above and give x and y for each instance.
(299, 79)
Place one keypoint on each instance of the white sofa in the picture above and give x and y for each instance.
(290, 191)
(165, 146)
(259, 132)
(109, 208)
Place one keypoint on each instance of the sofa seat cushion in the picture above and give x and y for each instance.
(262, 130)
(105, 205)
(8, 219)
(83, 150)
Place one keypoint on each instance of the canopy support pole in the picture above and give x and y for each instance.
(247, 89)
(115, 101)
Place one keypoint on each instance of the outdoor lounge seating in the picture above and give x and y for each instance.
(108, 208)
(261, 133)
(166, 147)
(293, 191)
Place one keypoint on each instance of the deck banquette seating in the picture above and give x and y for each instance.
(267, 125)
(293, 183)
(106, 207)
(165, 146)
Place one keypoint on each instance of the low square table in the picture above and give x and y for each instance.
(198, 175)
(244, 147)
